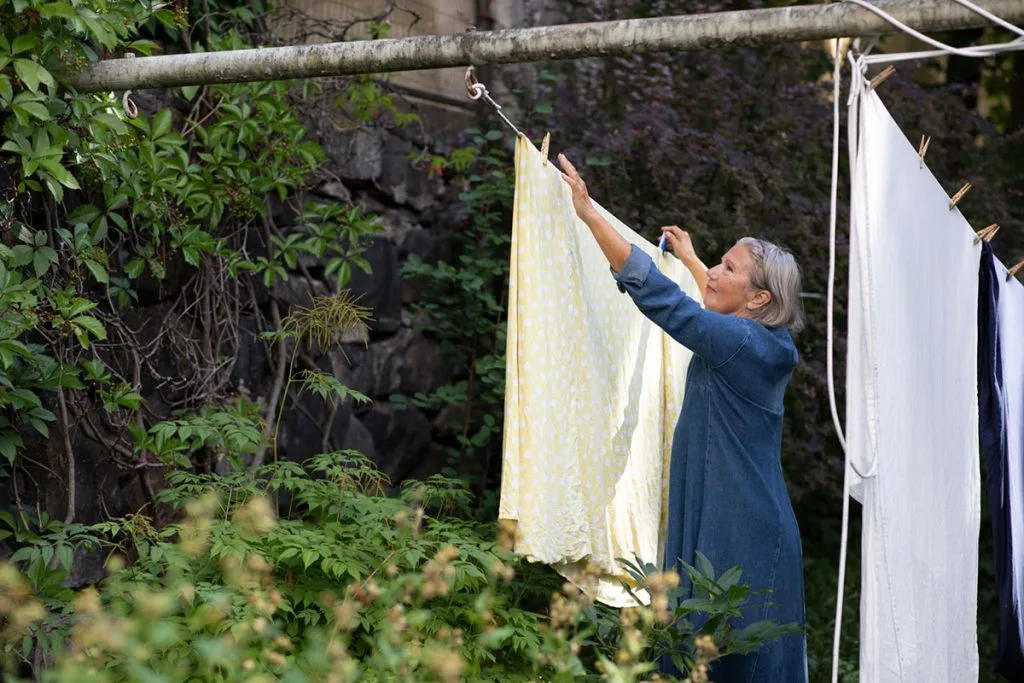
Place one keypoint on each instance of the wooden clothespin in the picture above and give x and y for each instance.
(959, 195)
(987, 233)
(882, 76)
(545, 145)
(1013, 271)
(922, 149)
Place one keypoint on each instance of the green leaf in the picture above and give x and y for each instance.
(98, 271)
(130, 400)
(23, 554)
(10, 442)
(135, 268)
(58, 9)
(31, 74)
(6, 90)
(161, 124)
(730, 578)
(25, 109)
(704, 565)
(40, 427)
(24, 43)
(59, 173)
(22, 254)
(112, 122)
(66, 555)
(85, 213)
(189, 91)
(309, 557)
(43, 414)
(41, 260)
(91, 324)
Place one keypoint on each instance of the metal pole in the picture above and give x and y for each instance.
(570, 41)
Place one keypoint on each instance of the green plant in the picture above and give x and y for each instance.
(346, 585)
(104, 213)
(463, 305)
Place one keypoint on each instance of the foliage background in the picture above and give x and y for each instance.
(103, 215)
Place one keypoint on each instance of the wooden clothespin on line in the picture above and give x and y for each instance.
(1013, 271)
(986, 233)
(881, 77)
(545, 146)
(959, 195)
(922, 149)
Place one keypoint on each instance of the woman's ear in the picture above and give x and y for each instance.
(760, 299)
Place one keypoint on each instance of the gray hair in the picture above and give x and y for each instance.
(775, 270)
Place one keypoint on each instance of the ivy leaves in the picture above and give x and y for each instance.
(41, 158)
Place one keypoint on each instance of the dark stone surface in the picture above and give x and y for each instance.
(407, 363)
(298, 291)
(252, 371)
(381, 289)
(353, 154)
(357, 438)
(404, 183)
(402, 438)
(408, 235)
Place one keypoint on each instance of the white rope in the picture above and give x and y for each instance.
(948, 49)
(1012, 28)
(836, 75)
(857, 86)
(982, 52)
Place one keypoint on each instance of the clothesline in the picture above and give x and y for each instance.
(859, 62)
(858, 68)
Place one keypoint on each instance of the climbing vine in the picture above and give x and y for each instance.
(104, 213)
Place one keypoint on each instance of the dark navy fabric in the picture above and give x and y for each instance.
(727, 495)
(992, 415)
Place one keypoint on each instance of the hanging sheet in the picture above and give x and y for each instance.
(1001, 394)
(912, 410)
(593, 391)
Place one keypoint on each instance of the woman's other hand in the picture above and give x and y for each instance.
(680, 244)
(682, 247)
(580, 197)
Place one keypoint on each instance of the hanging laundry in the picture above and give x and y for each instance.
(593, 390)
(912, 410)
(1001, 411)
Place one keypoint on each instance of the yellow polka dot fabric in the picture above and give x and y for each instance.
(593, 391)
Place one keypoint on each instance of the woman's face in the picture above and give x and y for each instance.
(728, 290)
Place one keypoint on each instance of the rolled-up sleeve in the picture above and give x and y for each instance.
(634, 271)
(713, 336)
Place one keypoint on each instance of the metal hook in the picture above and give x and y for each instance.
(478, 90)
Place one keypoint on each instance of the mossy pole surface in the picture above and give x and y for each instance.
(568, 41)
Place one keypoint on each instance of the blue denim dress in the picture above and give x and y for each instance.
(727, 495)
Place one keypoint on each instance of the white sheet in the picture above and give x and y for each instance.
(912, 411)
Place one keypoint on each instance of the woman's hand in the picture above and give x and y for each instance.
(680, 244)
(614, 246)
(682, 247)
(580, 197)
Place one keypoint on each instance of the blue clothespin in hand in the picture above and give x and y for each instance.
(663, 244)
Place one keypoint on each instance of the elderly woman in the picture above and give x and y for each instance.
(727, 495)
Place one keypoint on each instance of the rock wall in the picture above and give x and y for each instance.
(368, 166)
(418, 214)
